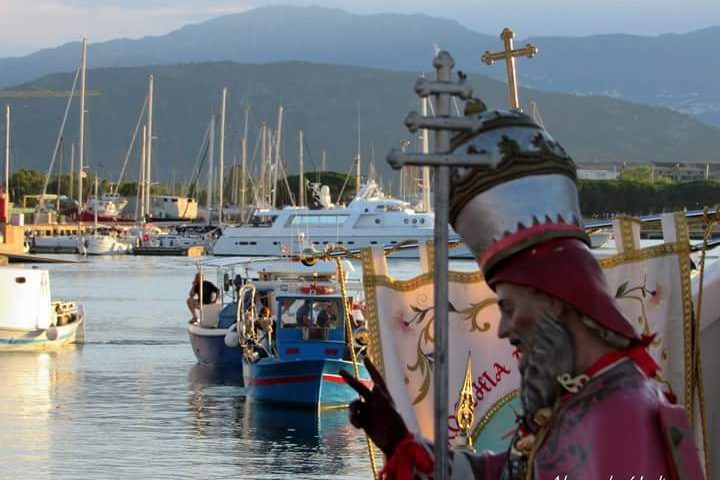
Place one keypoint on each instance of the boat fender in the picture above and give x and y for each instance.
(231, 339)
(52, 333)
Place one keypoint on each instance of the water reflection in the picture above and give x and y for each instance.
(29, 386)
(270, 441)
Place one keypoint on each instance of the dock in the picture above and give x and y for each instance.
(13, 257)
(194, 251)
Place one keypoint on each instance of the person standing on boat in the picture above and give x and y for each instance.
(303, 316)
(210, 295)
(591, 407)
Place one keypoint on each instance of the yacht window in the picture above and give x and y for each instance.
(19, 279)
(393, 242)
(380, 208)
(351, 243)
(414, 221)
(405, 221)
(373, 242)
(422, 220)
(377, 220)
(318, 219)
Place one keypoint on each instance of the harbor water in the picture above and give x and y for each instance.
(131, 403)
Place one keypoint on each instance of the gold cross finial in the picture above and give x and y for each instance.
(509, 55)
(465, 412)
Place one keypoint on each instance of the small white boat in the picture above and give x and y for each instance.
(105, 244)
(29, 318)
(55, 244)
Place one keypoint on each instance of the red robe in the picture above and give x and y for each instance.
(619, 426)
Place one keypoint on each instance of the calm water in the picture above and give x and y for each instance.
(132, 403)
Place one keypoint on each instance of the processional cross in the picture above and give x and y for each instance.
(509, 55)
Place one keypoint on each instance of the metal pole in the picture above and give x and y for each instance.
(148, 154)
(211, 167)
(264, 170)
(301, 179)
(143, 160)
(443, 63)
(358, 174)
(278, 137)
(81, 149)
(222, 156)
(6, 200)
(72, 169)
(243, 167)
(425, 170)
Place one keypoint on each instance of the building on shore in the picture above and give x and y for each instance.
(677, 172)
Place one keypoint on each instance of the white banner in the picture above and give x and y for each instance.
(652, 286)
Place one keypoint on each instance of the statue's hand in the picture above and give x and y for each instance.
(375, 411)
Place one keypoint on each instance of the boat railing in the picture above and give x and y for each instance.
(245, 320)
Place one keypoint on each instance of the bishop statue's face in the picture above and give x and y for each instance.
(533, 323)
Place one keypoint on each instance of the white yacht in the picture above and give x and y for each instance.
(105, 241)
(370, 219)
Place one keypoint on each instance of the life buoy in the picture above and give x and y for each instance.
(315, 289)
(146, 237)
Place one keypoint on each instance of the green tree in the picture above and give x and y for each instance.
(643, 174)
(26, 182)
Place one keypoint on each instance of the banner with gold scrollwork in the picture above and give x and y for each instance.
(401, 321)
(652, 286)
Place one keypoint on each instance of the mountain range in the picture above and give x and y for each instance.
(674, 70)
(325, 101)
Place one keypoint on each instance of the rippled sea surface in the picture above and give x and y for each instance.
(132, 403)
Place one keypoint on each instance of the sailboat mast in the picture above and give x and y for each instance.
(278, 137)
(211, 167)
(358, 167)
(243, 167)
(148, 154)
(221, 180)
(72, 169)
(261, 194)
(425, 150)
(81, 148)
(357, 175)
(301, 179)
(6, 198)
(95, 207)
(61, 154)
(143, 152)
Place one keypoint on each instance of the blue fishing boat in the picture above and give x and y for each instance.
(219, 333)
(299, 363)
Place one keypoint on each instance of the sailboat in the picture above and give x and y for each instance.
(103, 241)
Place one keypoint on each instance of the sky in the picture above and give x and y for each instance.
(29, 25)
